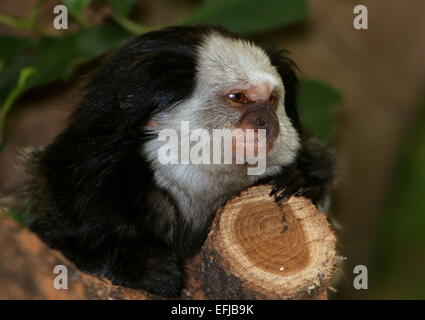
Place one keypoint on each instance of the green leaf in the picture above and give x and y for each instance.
(10, 46)
(96, 41)
(316, 102)
(56, 58)
(52, 59)
(13, 56)
(24, 74)
(76, 7)
(10, 73)
(18, 23)
(250, 16)
(123, 7)
(131, 26)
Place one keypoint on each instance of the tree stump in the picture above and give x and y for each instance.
(257, 249)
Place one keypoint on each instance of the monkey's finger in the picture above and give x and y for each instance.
(287, 193)
(286, 180)
(300, 192)
(276, 188)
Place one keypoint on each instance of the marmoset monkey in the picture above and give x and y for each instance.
(100, 195)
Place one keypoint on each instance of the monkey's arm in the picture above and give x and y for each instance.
(309, 176)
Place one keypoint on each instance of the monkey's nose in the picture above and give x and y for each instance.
(254, 121)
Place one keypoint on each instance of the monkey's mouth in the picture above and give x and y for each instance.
(253, 142)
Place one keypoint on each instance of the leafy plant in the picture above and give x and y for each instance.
(249, 16)
(76, 8)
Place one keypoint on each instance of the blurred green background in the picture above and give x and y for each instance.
(361, 91)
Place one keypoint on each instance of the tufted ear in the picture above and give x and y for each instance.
(287, 68)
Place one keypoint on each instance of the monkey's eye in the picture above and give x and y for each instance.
(237, 97)
(273, 100)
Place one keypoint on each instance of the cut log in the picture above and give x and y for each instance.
(257, 249)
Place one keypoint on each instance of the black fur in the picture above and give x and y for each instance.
(91, 188)
(311, 174)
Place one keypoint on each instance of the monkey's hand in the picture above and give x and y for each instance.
(292, 181)
(310, 176)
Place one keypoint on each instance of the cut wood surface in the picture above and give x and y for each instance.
(257, 249)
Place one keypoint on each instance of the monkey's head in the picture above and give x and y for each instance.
(238, 87)
(211, 78)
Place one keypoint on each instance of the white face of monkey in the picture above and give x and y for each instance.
(237, 88)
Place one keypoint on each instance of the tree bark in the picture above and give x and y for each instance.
(257, 249)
